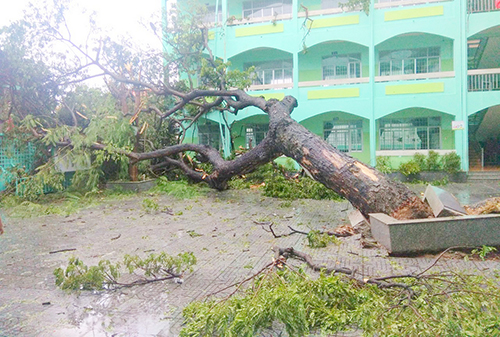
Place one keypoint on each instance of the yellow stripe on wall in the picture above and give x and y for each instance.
(276, 95)
(211, 35)
(333, 93)
(259, 30)
(335, 21)
(414, 13)
(422, 88)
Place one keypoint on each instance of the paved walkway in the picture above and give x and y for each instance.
(230, 248)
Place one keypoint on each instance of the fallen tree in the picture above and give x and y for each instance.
(150, 84)
(367, 189)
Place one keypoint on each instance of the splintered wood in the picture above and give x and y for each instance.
(488, 206)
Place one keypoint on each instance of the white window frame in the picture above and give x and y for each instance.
(265, 8)
(401, 134)
(210, 134)
(332, 66)
(406, 61)
(345, 136)
(272, 72)
(254, 134)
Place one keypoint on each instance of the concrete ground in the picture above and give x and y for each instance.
(230, 248)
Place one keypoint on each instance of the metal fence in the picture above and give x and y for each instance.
(14, 156)
(484, 82)
(477, 6)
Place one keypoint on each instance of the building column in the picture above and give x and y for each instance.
(295, 9)
(371, 61)
(462, 136)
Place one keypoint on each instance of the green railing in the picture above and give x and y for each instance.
(12, 157)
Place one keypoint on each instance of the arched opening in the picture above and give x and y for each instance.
(484, 139)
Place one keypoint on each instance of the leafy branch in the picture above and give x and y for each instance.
(106, 275)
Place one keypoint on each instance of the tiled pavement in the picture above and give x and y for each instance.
(231, 248)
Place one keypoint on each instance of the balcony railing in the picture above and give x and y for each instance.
(421, 76)
(340, 81)
(484, 79)
(478, 6)
(272, 86)
(398, 3)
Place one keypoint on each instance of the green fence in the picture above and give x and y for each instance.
(14, 156)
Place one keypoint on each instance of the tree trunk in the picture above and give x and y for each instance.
(367, 189)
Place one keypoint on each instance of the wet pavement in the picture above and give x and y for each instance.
(230, 248)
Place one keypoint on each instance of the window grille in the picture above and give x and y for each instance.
(211, 14)
(263, 8)
(410, 61)
(423, 133)
(273, 72)
(210, 134)
(325, 4)
(346, 136)
(255, 134)
(341, 66)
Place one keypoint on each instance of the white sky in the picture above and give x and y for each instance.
(121, 17)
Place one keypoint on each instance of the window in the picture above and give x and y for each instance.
(410, 61)
(422, 133)
(341, 66)
(211, 13)
(274, 72)
(346, 136)
(325, 4)
(209, 134)
(255, 134)
(263, 8)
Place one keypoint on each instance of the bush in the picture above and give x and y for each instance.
(421, 161)
(433, 162)
(384, 164)
(409, 168)
(451, 162)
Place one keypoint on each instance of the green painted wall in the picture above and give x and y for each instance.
(258, 55)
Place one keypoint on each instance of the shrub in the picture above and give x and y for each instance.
(433, 163)
(409, 168)
(384, 164)
(451, 162)
(421, 161)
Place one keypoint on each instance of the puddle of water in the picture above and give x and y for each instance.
(117, 314)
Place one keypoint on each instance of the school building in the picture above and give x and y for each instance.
(391, 79)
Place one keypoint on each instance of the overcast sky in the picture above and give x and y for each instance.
(119, 16)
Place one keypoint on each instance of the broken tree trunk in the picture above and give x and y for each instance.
(367, 189)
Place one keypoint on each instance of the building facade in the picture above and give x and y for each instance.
(410, 76)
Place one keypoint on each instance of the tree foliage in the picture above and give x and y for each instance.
(288, 299)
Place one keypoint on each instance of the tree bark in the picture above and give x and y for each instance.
(367, 189)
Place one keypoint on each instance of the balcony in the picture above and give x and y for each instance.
(328, 83)
(421, 76)
(479, 6)
(484, 80)
(401, 3)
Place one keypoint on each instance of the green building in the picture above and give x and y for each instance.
(411, 76)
